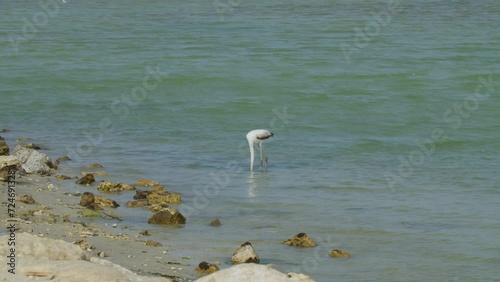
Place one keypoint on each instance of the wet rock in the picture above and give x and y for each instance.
(144, 233)
(86, 246)
(339, 254)
(245, 254)
(89, 213)
(94, 166)
(5, 129)
(139, 194)
(22, 139)
(300, 240)
(102, 254)
(32, 146)
(146, 182)
(63, 158)
(158, 196)
(27, 199)
(87, 200)
(4, 148)
(152, 243)
(136, 204)
(215, 223)
(33, 161)
(7, 164)
(167, 216)
(158, 207)
(207, 268)
(95, 173)
(61, 177)
(108, 186)
(105, 202)
(86, 180)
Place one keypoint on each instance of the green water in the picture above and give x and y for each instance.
(385, 115)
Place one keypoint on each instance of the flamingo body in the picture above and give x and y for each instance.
(256, 137)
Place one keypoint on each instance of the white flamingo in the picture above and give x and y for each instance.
(256, 137)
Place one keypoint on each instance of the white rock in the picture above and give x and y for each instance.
(32, 160)
(250, 272)
(245, 253)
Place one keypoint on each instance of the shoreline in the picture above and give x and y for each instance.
(56, 215)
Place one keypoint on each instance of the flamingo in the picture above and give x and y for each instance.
(256, 137)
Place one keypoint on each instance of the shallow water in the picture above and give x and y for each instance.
(385, 120)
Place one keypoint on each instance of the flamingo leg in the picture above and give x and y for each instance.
(260, 147)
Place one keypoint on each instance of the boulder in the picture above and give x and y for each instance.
(167, 216)
(245, 253)
(163, 197)
(300, 240)
(86, 180)
(146, 182)
(33, 161)
(339, 254)
(206, 268)
(8, 166)
(251, 272)
(108, 186)
(4, 148)
(88, 200)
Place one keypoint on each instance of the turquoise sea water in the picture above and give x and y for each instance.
(385, 115)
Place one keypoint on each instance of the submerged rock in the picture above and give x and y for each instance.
(63, 158)
(136, 204)
(32, 146)
(86, 180)
(253, 272)
(33, 161)
(215, 223)
(152, 243)
(167, 216)
(300, 240)
(94, 166)
(146, 182)
(206, 268)
(27, 199)
(8, 164)
(339, 254)
(62, 177)
(245, 253)
(108, 186)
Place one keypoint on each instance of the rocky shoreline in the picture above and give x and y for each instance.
(46, 215)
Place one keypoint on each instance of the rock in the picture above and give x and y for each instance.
(87, 200)
(43, 259)
(63, 158)
(32, 146)
(251, 272)
(4, 148)
(108, 186)
(245, 254)
(163, 197)
(207, 268)
(8, 166)
(136, 204)
(94, 166)
(95, 173)
(105, 202)
(5, 129)
(139, 194)
(300, 240)
(27, 199)
(86, 180)
(146, 182)
(85, 245)
(89, 213)
(22, 139)
(152, 243)
(339, 254)
(62, 177)
(215, 223)
(167, 216)
(33, 161)
(158, 207)
(144, 233)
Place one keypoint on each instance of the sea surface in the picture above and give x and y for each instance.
(385, 117)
